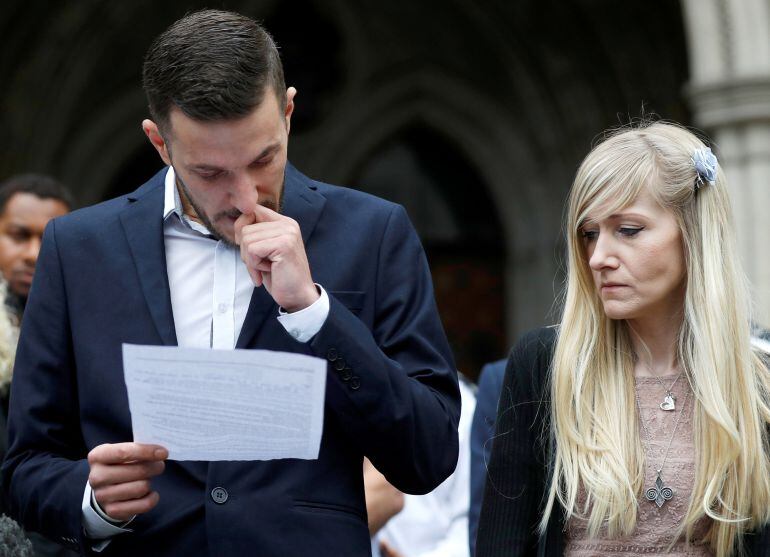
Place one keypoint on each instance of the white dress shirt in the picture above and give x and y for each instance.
(210, 291)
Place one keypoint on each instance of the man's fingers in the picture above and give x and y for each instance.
(122, 492)
(124, 510)
(273, 250)
(120, 453)
(265, 214)
(102, 475)
(264, 231)
(256, 277)
(244, 220)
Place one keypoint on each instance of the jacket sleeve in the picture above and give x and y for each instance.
(394, 387)
(515, 482)
(44, 471)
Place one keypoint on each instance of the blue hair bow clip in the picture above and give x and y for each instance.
(706, 165)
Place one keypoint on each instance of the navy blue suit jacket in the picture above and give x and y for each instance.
(391, 392)
(482, 431)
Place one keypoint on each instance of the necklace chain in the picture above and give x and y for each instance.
(661, 493)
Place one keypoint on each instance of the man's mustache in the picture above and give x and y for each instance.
(235, 213)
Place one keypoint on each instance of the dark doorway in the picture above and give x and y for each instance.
(456, 219)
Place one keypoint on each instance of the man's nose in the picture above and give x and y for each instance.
(603, 255)
(244, 194)
(32, 250)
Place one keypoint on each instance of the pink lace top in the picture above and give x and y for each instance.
(655, 527)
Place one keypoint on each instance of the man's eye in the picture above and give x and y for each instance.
(210, 177)
(18, 236)
(630, 231)
(262, 162)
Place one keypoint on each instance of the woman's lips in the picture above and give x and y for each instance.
(612, 287)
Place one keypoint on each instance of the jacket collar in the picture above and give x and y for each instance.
(142, 222)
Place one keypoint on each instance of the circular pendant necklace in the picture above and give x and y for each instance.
(659, 493)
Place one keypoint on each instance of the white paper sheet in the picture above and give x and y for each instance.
(225, 404)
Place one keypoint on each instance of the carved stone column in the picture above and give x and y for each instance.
(729, 91)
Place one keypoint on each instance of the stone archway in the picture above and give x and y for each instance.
(494, 147)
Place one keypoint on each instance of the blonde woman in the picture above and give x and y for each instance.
(639, 424)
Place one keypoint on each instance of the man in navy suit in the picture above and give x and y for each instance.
(482, 431)
(229, 246)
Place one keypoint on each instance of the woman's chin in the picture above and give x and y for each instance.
(616, 311)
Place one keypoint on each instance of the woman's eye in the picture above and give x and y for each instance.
(630, 231)
(589, 234)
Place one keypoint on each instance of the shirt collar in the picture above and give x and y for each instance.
(171, 201)
(172, 205)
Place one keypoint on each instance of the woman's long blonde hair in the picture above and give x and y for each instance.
(593, 412)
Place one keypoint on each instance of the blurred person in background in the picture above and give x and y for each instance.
(430, 525)
(13, 542)
(27, 203)
(482, 431)
(639, 424)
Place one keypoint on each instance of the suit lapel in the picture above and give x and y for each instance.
(304, 204)
(142, 223)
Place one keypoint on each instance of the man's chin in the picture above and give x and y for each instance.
(225, 232)
(20, 289)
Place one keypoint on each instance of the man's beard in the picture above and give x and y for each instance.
(208, 222)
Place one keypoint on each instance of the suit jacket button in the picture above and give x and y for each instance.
(346, 374)
(339, 365)
(355, 383)
(331, 355)
(219, 495)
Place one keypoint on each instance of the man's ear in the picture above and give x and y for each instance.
(153, 134)
(290, 94)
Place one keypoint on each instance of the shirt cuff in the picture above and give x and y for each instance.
(96, 523)
(305, 323)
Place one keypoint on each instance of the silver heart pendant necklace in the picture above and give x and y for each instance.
(659, 493)
(669, 401)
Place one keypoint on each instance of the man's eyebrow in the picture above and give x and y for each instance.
(270, 149)
(19, 225)
(207, 167)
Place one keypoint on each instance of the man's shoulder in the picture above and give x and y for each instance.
(493, 370)
(106, 212)
(345, 198)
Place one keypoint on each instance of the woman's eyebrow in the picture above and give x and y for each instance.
(616, 216)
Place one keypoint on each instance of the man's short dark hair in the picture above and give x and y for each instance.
(212, 65)
(44, 187)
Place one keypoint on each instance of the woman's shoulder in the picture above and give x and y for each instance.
(535, 346)
(530, 359)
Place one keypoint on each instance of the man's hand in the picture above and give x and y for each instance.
(386, 550)
(273, 251)
(383, 501)
(120, 477)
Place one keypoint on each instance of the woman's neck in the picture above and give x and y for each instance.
(655, 341)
